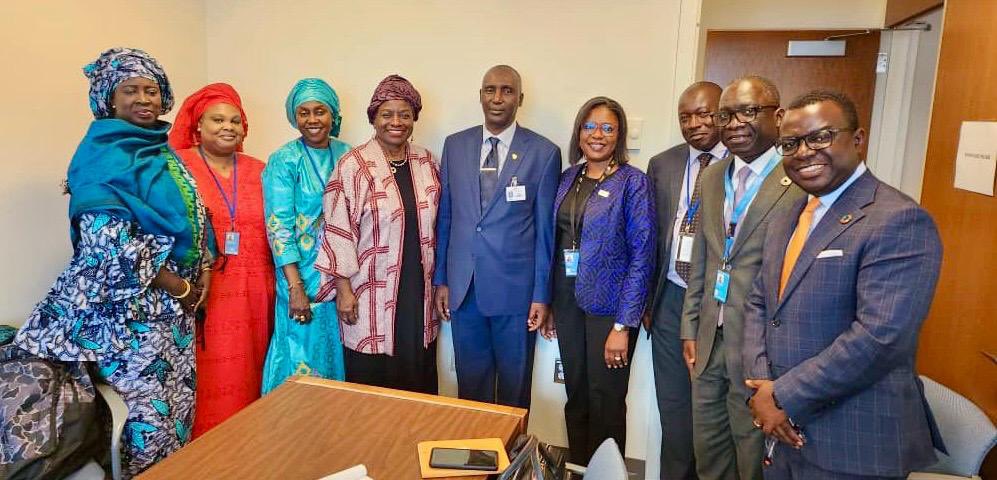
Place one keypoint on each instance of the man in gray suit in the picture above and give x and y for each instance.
(675, 177)
(740, 196)
(831, 326)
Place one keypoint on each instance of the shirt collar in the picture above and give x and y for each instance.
(719, 151)
(505, 137)
(758, 165)
(827, 200)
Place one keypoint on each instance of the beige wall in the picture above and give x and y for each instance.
(43, 93)
(783, 15)
(567, 52)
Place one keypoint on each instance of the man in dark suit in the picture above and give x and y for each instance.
(740, 196)
(675, 175)
(495, 242)
(832, 323)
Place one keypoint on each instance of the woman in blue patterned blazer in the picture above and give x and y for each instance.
(605, 240)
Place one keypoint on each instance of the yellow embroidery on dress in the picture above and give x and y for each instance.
(279, 247)
(303, 222)
(303, 369)
(273, 223)
(306, 241)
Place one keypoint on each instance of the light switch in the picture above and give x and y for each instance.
(635, 126)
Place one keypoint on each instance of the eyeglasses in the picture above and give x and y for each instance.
(744, 115)
(606, 128)
(818, 140)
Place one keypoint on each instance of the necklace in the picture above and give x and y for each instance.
(395, 164)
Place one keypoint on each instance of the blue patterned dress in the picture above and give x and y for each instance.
(293, 182)
(101, 309)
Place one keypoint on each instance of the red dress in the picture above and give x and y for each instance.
(232, 344)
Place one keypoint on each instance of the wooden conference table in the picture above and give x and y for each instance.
(309, 428)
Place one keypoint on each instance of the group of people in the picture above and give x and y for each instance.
(782, 284)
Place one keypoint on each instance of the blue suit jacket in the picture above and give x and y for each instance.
(840, 344)
(617, 247)
(507, 247)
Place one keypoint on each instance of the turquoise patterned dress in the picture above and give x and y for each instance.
(293, 182)
(101, 309)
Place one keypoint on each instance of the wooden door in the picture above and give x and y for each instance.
(959, 339)
(731, 54)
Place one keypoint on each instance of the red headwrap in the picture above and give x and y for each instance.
(184, 133)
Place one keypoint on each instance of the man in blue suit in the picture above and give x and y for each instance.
(831, 325)
(494, 234)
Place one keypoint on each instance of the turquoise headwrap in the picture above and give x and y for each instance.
(313, 89)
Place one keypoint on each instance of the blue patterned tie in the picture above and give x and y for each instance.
(489, 174)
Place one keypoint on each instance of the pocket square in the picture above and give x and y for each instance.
(830, 254)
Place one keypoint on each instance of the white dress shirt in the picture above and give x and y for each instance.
(688, 182)
(505, 143)
(827, 200)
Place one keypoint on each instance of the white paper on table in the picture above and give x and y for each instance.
(976, 160)
(357, 472)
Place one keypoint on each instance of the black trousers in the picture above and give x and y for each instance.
(596, 408)
(673, 387)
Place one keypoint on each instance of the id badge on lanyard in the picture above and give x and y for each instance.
(723, 274)
(684, 253)
(571, 258)
(231, 243)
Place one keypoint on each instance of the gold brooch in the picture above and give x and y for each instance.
(785, 181)
(515, 156)
(845, 219)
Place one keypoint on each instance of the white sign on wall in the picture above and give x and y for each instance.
(976, 160)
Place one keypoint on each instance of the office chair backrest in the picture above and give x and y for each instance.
(967, 432)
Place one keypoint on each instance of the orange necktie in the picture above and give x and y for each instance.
(796, 242)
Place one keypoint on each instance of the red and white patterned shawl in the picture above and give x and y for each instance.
(362, 241)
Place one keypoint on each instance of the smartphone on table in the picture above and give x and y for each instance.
(464, 459)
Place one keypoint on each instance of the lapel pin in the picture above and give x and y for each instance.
(785, 181)
(515, 156)
(845, 219)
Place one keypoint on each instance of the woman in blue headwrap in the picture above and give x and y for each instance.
(306, 334)
(127, 299)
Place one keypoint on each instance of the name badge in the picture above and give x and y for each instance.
(515, 193)
(684, 253)
(231, 243)
(723, 282)
(603, 193)
(570, 262)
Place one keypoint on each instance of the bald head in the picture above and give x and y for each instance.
(505, 70)
(501, 96)
(696, 106)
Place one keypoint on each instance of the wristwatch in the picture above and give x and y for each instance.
(618, 327)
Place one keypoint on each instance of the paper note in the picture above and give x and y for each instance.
(976, 161)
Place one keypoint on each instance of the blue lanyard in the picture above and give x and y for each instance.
(312, 161)
(738, 210)
(690, 212)
(235, 185)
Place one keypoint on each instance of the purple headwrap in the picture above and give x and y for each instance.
(116, 65)
(394, 87)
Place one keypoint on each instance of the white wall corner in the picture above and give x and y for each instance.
(886, 156)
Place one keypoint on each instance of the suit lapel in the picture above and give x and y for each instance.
(676, 176)
(512, 162)
(474, 156)
(714, 232)
(845, 212)
(773, 188)
(779, 231)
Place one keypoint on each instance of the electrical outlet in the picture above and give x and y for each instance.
(882, 62)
